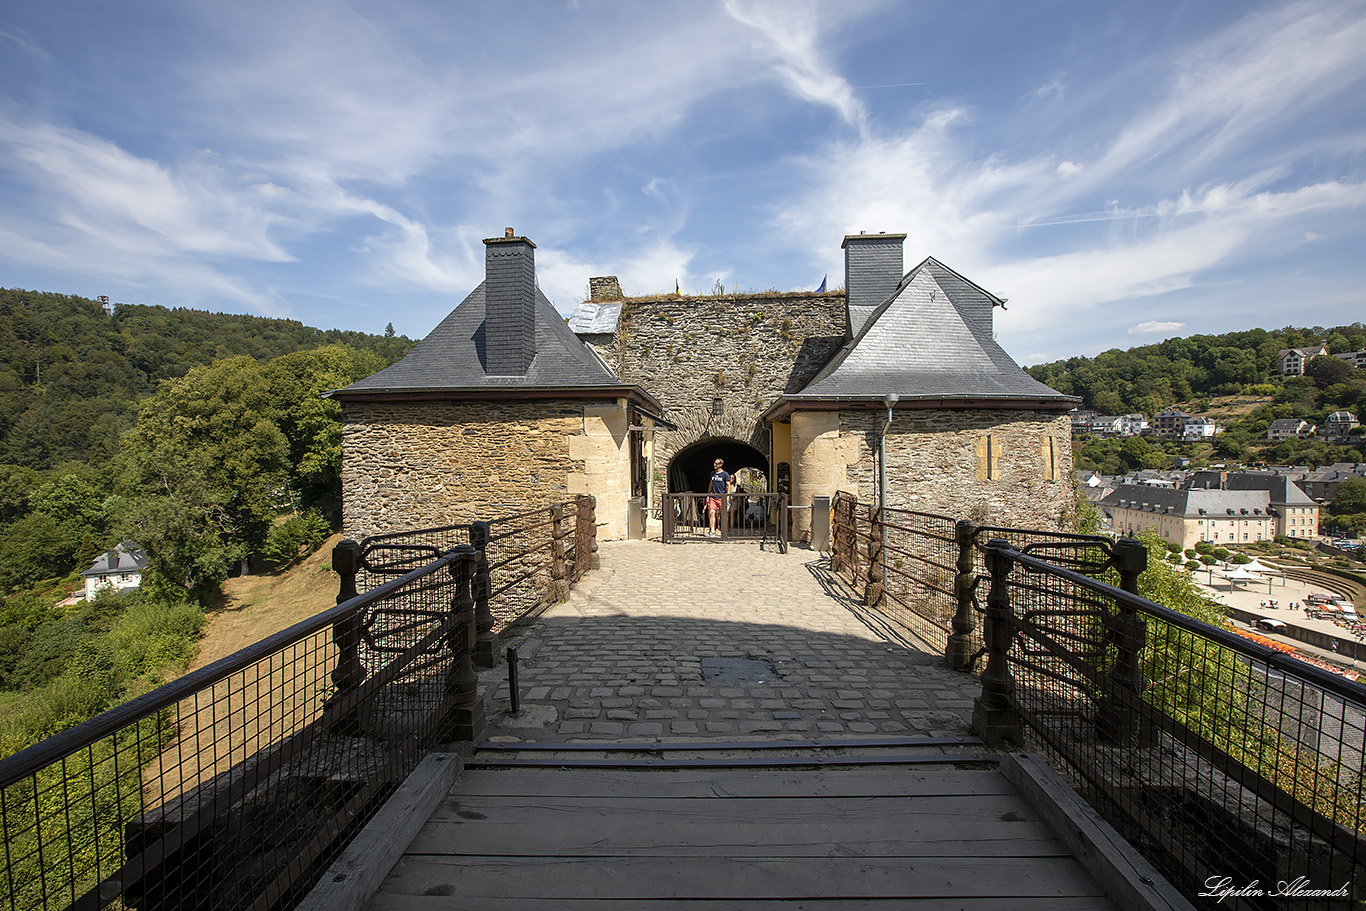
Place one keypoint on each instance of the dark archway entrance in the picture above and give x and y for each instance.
(690, 470)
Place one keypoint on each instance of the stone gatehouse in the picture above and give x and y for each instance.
(506, 404)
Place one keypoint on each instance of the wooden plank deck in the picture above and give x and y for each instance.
(660, 839)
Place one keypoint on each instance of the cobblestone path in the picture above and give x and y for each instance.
(711, 640)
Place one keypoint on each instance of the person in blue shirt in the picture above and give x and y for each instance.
(721, 483)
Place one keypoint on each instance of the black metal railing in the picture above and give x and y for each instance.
(1220, 759)
(234, 786)
(735, 516)
(526, 560)
(922, 571)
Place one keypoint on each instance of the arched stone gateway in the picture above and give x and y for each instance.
(690, 469)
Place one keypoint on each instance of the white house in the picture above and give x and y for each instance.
(119, 569)
(1199, 429)
(1291, 361)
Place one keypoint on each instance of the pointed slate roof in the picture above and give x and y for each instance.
(452, 358)
(929, 341)
(126, 557)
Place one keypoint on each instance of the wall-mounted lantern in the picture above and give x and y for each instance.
(718, 406)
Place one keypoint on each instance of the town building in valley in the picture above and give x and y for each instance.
(1220, 507)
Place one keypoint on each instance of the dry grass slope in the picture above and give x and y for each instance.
(256, 606)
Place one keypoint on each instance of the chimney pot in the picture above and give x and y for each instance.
(507, 232)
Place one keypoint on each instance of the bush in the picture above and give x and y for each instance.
(1192, 565)
(1174, 548)
(1220, 554)
(1191, 553)
(295, 538)
(1174, 558)
(1204, 547)
(1240, 559)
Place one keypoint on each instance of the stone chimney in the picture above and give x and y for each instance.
(604, 288)
(872, 270)
(509, 304)
(112, 558)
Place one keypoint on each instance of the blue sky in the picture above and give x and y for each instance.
(1122, 172)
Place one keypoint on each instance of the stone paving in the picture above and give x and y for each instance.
(726, 641)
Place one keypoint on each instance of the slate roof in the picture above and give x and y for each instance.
(1189, 503)
(126, 557)
(1282, 490)
(452, 358)
(931, 339)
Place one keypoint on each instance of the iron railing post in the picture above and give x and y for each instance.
(876, 577)
(559, 587)
(1123, 695)
(994, 717)
(958, 652)
(1131, 559)
(486, 641)
(666, 517)
(348, 673)
(466, 718)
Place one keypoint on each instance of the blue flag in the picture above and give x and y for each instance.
(822, 287)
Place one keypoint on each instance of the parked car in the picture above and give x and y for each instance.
(1270, 624)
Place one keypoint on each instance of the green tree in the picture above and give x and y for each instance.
(203, 472)
(311, 423)
(1349, 498)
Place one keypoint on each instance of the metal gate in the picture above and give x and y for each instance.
(741, 516)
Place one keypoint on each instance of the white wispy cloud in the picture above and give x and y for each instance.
(793, 41)
(1149, 327)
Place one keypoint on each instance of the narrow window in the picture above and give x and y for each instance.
(989, 457)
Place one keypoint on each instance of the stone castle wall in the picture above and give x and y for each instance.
(748, 350)
(999, 467)
(937, 461)
(424, 464)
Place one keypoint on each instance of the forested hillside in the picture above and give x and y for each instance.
(201, 436)
(1150, 378)
(1230, 377)
(71, 376)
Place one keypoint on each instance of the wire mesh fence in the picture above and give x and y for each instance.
(1221, 760)
(235, 786)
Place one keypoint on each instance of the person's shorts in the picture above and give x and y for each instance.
(714, 504)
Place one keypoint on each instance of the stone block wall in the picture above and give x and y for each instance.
(746, 349)
(422, 464)
(998, 467)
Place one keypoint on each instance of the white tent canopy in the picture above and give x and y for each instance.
(1238, 574)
